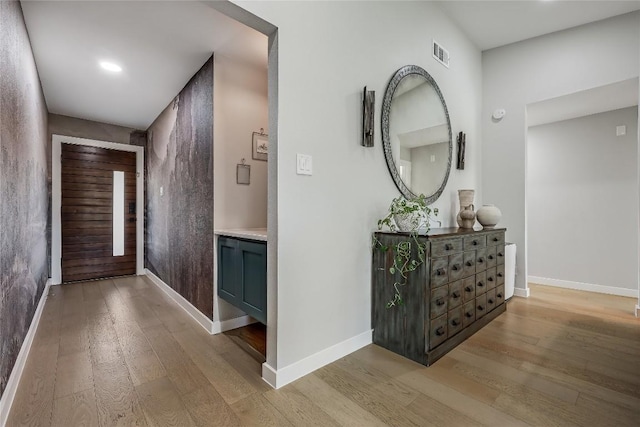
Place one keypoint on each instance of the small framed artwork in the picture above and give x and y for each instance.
(260, 142)
(243, 173)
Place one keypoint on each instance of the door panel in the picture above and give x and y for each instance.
(87, 212)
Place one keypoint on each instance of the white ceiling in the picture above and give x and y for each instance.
(491, 24)
(593, 101)
(159, 44)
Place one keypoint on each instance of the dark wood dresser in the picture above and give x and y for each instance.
(453, 294)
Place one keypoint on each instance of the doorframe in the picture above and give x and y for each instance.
(56, 199)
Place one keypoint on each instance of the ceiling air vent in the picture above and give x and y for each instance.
(441, 54)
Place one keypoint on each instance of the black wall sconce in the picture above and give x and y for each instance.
(368, 117)
(462, 147)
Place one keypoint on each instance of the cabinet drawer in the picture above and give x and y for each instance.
(469, 266)
(454, 321)
(499, 294)
(481, 260)
(439, 298)
(491, 300)
(456, 263)
(446, 247)
(474, 242)
(500, 254)
(455, 294)
(500, 275)
(491, 256)
(469, 313)
(491, 278)
(481, 283)
(469, 289)
(481, 306)
(495, 238)
(437, 331)
(439, 271)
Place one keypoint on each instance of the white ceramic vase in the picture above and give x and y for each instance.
(488, 216)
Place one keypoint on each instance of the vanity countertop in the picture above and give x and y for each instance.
(244, 233)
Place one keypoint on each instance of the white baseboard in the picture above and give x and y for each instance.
(611, 290)
(14, 379)
(522, 293)
(281, 377)
(227, 325)
(196, 314)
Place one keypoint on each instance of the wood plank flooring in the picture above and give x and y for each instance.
(119, 352)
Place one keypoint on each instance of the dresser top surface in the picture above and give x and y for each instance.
(449, 232)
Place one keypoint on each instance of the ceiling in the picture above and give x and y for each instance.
(491, 24)
(160, 45)
(593, 101)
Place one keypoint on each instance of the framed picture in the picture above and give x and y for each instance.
(260, 146)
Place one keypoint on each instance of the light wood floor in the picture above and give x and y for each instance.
(118, 352)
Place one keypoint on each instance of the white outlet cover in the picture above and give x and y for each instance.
(162, 191)
(621, 130)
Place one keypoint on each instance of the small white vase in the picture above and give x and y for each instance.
(488, 216)
(406, 222)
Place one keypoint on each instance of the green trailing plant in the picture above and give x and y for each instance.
(411, 214)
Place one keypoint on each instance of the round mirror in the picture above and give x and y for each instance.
(416, 134)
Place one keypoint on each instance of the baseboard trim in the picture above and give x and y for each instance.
(281, 377)
(196, 314)
(611, 290)
(522, 293)
(14, 379)
(227, 325)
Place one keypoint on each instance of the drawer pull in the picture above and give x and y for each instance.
(440, 302)
(495, 239)
(468, 314)
(440, 331)
(480, 284)
(490, 279)
(490, 301)
(440, 272)
(480, 260)
(455, 322)
(474, 243)
(499, 274)
(481, 307)
(500, 254)
(455, 267)
(456, 294)
(469, 263)
(490, 256)
(448, 247)
(499, 295)
(468, 289)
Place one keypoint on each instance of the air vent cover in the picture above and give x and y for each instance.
(441, 54)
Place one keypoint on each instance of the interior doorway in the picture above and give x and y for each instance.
(96, 231)
(582, 200)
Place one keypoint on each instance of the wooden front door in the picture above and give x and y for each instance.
(87, 181)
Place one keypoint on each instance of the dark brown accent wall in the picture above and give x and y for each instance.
(179, 177)
(23, 187)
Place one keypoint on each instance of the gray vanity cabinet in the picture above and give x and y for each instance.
(456, 291)
(242, 275)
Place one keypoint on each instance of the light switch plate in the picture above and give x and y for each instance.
(621, 130)
(304, 164)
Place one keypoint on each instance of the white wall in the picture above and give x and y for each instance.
(533, 70)
(582, 200)
(239, 109)
(327, 52)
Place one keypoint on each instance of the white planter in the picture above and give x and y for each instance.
(488, 216)
(409, 222)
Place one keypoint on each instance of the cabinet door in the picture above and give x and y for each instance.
(227, 267)
(252, 280)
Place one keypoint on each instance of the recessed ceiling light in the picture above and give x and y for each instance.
(110, 66)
